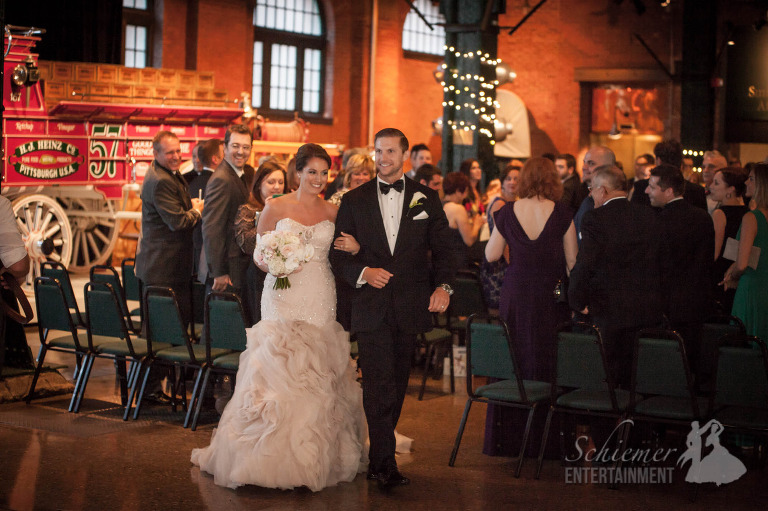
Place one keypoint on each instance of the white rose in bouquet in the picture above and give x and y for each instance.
(283, 253)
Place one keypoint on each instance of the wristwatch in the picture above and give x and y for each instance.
(448, 289)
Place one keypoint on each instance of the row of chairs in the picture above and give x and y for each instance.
(662, 388)
(106, 330)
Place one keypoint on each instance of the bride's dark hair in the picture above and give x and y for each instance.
(309, 151)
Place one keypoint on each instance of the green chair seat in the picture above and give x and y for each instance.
(743, 417)
(437, 334)
(230, 361)
(180, 354)
(119, 348)
(66, 341)
(507, 390)
(594, 400)
(668, 407)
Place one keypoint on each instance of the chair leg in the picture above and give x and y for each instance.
(141, 392)
(544, 438)
(200, 399)
(122, 378)
(462, 424)
(133, 378)
(427, 363)
(195, 396)
(450, 362)
(86, 374)
(40, 360)
(525, 441)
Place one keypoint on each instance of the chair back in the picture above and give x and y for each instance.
(742, 373)
(104, 273)
(712, 331)
(130, 281)
(467, 296)
(52, 310)
(58, 271)
(490, 352)
(163, 317)
(104, 315)
(198, 302)
(661, 365)
(224, 322)
(581, 359)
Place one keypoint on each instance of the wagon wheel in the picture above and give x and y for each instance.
(45, 229)
(94, 231)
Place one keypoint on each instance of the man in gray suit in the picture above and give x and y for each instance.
(224, 194)
(168, 217)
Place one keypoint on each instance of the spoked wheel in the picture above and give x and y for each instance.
(94, 231)
(45, 230)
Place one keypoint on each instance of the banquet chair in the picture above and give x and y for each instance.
(59, 272)
(225, 340)
(104, 273)
(53, 314)
(583, 384)
(437, 343)
(713, 331)
(740, 399)
(490, 353)
(107, 325)
(467, 299)
(131, 284)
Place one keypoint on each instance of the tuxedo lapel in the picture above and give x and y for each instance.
(374, 211)
(405, 222)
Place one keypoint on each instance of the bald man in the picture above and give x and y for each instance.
(598, 156)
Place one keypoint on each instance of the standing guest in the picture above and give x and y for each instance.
(197, 164)
(463, 227)
(687, 239)
(430, 176)
(211, 153)
(727, 188)
(473, 202)
(492, 191)
(337, 184)
(542, 245)
(397, 223)
(751, 301)
(687, 169)
(492, 273)
(566, 169)
(617, 235)
(293, 180)
(597, 156)
(420, 155)
(14, 350)
(269, 180)
(670, 152)
(643, 165)
(359, 169)
(711, 163)
(225, 193)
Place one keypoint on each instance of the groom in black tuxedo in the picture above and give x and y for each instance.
(397, 223)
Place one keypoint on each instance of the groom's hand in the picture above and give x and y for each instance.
(376, 277)
(439, 300)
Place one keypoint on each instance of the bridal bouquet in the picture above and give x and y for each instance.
(282, 252)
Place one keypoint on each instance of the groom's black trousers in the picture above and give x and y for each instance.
(385, 360)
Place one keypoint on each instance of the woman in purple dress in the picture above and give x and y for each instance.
(542, 248)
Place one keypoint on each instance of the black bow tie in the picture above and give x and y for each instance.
(397, 186)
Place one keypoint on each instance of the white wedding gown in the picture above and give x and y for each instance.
(296, 416)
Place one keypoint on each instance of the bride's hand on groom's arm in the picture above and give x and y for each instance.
(346, 243)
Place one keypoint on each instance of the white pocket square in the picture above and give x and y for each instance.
(421, 216)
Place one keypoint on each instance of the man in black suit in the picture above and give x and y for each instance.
(615, 276)
(397, 223)
(224, 194)
(598, 156)
(687, 242)
(670, 152)
(210, 154)
(168, 216)
(566, 169)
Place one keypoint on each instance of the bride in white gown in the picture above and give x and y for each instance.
(296, 416)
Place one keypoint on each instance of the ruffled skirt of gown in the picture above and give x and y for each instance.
(296, 416)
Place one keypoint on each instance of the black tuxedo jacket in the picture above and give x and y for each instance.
(406, 296)
(693, 193)
(616, 273)
(572, 194)
(164, 254)
(685, 261)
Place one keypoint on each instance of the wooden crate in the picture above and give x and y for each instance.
(123, 92)
(45, 69)
(187, 79)
(100, 92)
(55, 90)
(62, 71)
(201, 97)
(205, 81)
(163, 94)
(77, 91)
(128, 75)
(143, 94)
(167, 77)
(220, 96)
(106, 73)
(182, 96)
(85, 72)
(148, 76)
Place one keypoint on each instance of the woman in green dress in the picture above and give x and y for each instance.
(751, 301)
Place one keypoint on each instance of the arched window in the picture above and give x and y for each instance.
(417, 37)
(288, 56)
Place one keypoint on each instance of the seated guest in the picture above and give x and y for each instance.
(430, 176)
(617, 235)
(359, 170)
(727, 189)
(269, 180)
(687, 242)
(464, 229)
(492, 273)
(751, 301)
